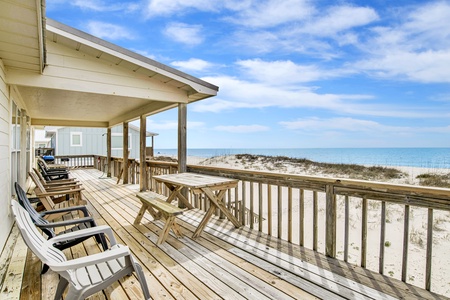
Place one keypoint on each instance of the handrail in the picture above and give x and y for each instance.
(319, 213)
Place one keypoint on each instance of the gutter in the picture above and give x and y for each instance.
(41, 24)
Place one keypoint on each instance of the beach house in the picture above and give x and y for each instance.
(309, 237)
(54, 75)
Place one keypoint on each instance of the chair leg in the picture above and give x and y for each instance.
(61, 287)
(100, 238)
(44, 269)
(140, 275)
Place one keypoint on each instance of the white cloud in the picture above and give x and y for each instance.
(193, 64)
(102, 6)
(108, 31)
(346, 124)
(317, 33)
(426, 67)
(169, 7)
(417, 49)
(235, 93)
(285, 72)
(170, 125)
(145, 53)
(337, 19)
(242, 128)
(314, 124)
(184, 33)
(270, 13)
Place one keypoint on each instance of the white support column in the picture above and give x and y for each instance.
(23, 148)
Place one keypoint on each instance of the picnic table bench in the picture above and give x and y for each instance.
(158, 207)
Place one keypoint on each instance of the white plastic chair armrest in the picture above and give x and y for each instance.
(85, 232)
(91, 259)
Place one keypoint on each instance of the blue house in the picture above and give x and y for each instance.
(84, 141)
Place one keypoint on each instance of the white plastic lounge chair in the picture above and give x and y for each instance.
(85, 275)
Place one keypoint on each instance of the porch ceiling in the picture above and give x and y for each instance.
(70, 78)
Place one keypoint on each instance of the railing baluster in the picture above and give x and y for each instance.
(364, 233)
(405, 244)
(236, 202)
(269, 209)
(243, 202)
(346, 227)
(280, 212)
(382, 237)
(429, 250)
(289, 214)
(260, 217)
(315, 225)
(251, 215)
(330, 221)
(301, 211)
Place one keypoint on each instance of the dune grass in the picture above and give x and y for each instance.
(341, 170)
(436, 180)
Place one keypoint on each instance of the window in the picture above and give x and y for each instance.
(76, 139)
(117, 141)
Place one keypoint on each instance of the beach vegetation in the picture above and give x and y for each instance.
(387, 244)
(436, 180)
(415, 237)
(344, 170)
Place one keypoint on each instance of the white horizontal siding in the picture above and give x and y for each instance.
(5, 192)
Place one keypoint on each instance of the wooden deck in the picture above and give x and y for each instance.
(223, 263)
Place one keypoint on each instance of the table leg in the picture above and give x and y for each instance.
(217, 201)
(203, 222)
(176, 193)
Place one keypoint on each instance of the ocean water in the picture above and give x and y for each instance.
(412, 157)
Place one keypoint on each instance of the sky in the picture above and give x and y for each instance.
(291, 73)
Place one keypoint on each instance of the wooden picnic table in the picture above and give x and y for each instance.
(214, 187)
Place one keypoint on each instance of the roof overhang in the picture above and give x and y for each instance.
(22, 33)
(87, 81)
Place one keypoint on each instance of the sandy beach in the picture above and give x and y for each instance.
(394, 230)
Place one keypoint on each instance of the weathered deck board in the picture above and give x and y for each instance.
(223, 262)
(12, 284)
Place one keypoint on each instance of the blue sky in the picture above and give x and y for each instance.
(291, 73)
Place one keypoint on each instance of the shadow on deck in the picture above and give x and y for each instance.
(223, 263)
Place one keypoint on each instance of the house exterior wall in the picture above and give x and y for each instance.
(93, 141)
(5, 162)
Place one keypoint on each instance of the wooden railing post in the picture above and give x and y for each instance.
(126, 163)
(108, 152)
(330, 225)
(143, 184)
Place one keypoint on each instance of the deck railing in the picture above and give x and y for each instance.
(387, 228)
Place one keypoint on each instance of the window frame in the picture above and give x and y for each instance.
(118, 134)
(74, 133)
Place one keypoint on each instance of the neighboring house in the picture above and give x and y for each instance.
(41, 143)
(82, 140)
